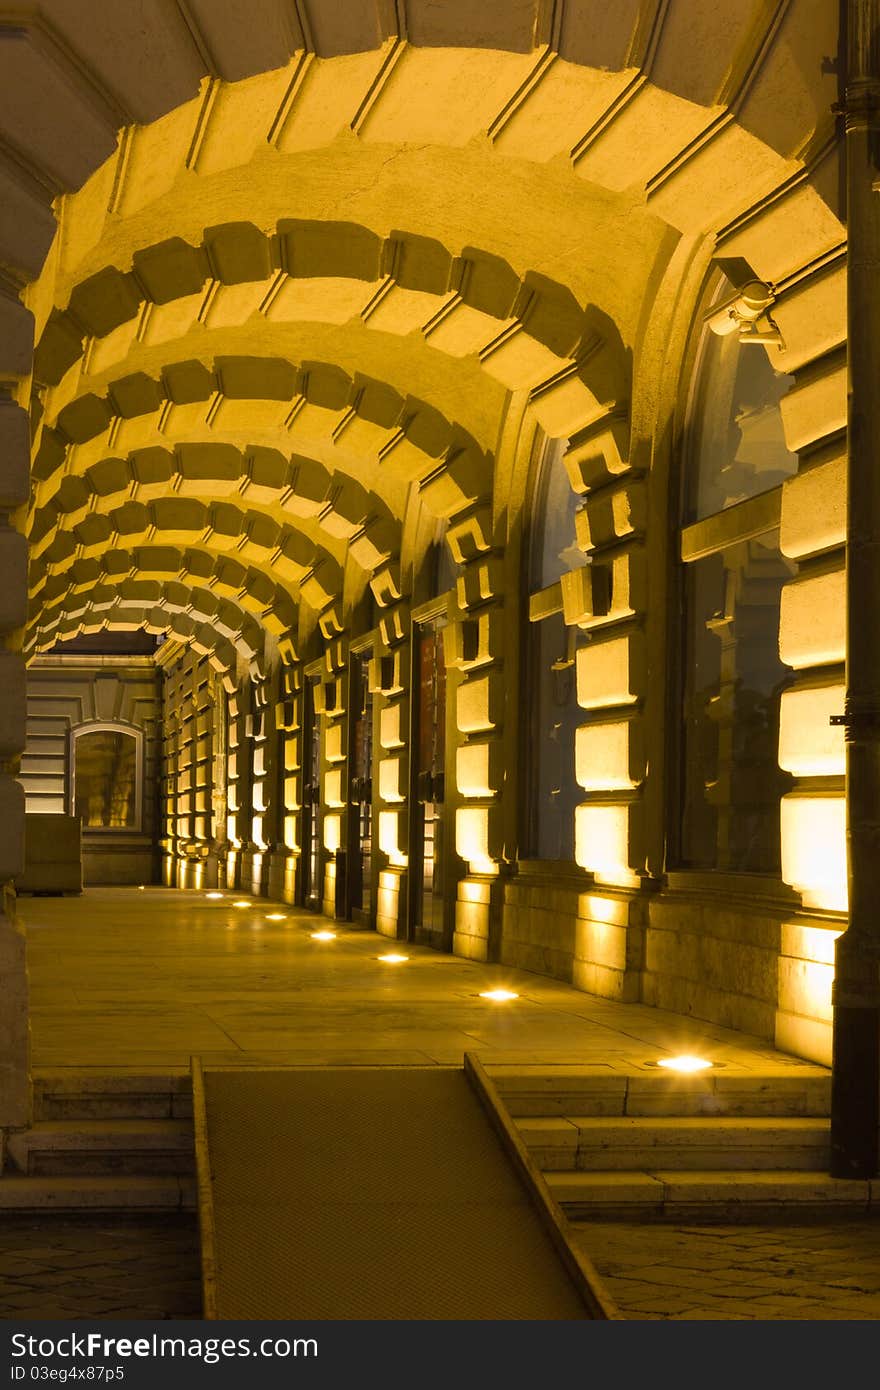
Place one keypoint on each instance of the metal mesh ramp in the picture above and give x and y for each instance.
(370, 1193)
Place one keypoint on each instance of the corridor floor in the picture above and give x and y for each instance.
(122, 978)
(128, 978)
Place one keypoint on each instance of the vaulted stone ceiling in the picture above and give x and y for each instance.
(316, 264)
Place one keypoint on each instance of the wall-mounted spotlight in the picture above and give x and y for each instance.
(748, 314)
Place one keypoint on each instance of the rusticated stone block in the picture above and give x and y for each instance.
(13, 579)
(600, 452)
(814, 848)
(393, 778)
(478, 768)
(608, 837)
(812, 620)
(611, 672)
(809, 744)
(13, 704)
(479, 581)
(393, 724)
(479, 703)
(586, 593)
(12, 820)
(814, 509)
(610, 756)
(816, 406)
(14, 456)
(478, 835)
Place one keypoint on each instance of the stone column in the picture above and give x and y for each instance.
(856, 1038)
(389, 681)
(14, 492)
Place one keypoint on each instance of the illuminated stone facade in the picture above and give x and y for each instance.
(319, 324)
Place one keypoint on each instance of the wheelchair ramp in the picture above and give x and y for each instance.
(375, 1193)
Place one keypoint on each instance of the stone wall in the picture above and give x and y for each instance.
(67, 694)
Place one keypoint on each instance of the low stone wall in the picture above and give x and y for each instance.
(560, 924)
(708, 959)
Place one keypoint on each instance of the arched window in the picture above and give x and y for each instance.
(736, 442)
(554, 548)
(107, 774)
(735, 460)
(554, 713)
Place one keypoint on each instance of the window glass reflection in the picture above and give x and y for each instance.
(734, 678)
(556, 550)
(737, 440)
(105, 780)
(556, 714)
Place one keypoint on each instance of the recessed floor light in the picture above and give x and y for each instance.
(684, 1064)
(213, 895)
(241, 902)
(276, 916)
(498, 996)
(323, 935)
(392, 958)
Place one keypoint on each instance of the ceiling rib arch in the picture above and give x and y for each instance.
(260, 483)
(254, 585)
(223, 625)
(528, 331)
(426, 447)
(224, 656)
(723, 141)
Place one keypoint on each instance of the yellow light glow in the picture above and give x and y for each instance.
(684, 1064)
(276, 916)
(140, 888)
(241, 902)
(601, 838)
(392, 958)
(814, 849)
(498, 996)
(213, 895)
(323, 935)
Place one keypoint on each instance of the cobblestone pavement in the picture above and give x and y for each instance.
(99, 1267)
(95, 1268)
(817, 1271)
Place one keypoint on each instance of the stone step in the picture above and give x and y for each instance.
(122, 1193)
(98, 1094)
(710, 1196)
(631, 1144)
(68, 1147)
(800, 1089)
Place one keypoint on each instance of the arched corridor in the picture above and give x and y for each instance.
(423, 486)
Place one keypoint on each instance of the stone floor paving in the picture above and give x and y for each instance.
(135, 980)
(122, 978)
(793, 1272)
(89, 1267)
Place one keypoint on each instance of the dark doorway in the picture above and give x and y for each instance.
(360, 818)
(312, 886)
(429, 895)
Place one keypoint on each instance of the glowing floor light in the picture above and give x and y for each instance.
(276, 916)
(684, 1064)
(241, 902)
(323, 935)
(213, 895)
(392, 958)
(498, 996)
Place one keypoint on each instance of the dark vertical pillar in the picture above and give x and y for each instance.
(856, 1049)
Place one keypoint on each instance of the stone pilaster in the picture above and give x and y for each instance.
(474, 650)
(389, 680)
